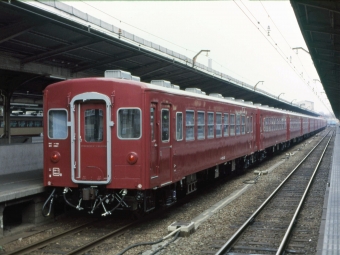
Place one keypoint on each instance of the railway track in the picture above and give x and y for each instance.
(98, 237)
(77, 240)
(268, 229)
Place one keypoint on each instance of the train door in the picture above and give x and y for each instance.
(253, 131)
(165, 146)
(260, 132)
(91, 138)
(154, 158)
(287, 127)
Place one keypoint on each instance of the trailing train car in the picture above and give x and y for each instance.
(127, 145)
(24, 125)
(274, 129)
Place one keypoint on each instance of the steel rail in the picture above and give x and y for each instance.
(89, 246)
(285, 238)
(49, 240)
(238, 232)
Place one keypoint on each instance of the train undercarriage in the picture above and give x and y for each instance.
(98, 199)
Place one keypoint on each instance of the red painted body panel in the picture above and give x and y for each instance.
(162, 159)
(277, 133)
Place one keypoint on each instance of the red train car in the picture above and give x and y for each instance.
(128, 145)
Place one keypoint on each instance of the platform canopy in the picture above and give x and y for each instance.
(319, 22)
(48, 41)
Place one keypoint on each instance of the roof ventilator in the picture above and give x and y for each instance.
(230, 98)
(119, 74)
(163, 83)
(216, 95)
(194, 90)
(135, 78)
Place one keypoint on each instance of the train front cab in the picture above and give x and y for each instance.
(93, 147)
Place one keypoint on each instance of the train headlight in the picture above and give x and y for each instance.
(55, 156)
(132, 158)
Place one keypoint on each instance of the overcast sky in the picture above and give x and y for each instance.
(235, 32)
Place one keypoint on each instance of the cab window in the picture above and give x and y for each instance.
(57, 124)
(93, 125)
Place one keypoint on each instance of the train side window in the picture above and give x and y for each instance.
(226, 125)
(248, 125)
(268, 125)
(57, 124)
(129, 123)
(243, 124)
(251, 124)
(189, 125)
(165, 125)
(238, 122)
(200, 125)
(210, 125)
(179, 126)
(14, 123)
(232, 124)
(280, 123)
(218, 124)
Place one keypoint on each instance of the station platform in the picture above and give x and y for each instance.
(19, 185)
(18, 188)
(329, 239)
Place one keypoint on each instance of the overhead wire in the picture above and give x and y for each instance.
(283, 56)
(136, 27)
(309, 77)
(276, 46)
(223, 67)
(284, 38)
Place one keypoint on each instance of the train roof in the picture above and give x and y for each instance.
(167, 87)
(223, 99)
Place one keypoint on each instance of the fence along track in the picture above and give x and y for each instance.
(275, 217)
